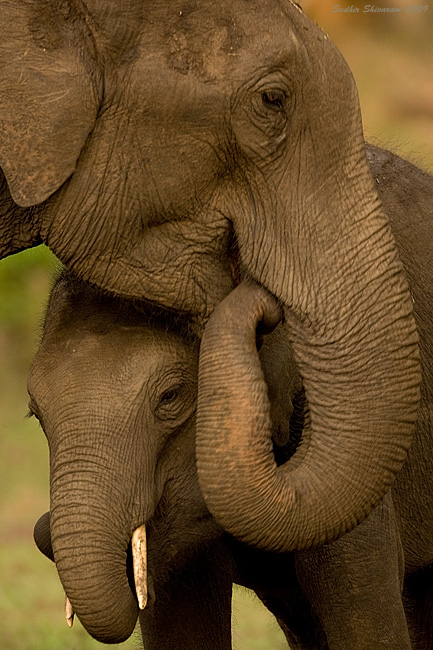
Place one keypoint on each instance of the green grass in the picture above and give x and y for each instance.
(254, 628)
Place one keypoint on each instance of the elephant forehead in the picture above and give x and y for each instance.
(214, 41)
(186, 53)
(100, 344)
(130, 354)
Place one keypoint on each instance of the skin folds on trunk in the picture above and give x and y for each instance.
(354, 450)
(91, 556)
(42, 537)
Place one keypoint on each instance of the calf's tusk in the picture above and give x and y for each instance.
(139, 560)
(69, 612)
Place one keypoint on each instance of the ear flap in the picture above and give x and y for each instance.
(19, 227)
(48, 102)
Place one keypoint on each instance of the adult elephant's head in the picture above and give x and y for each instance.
(142, 141)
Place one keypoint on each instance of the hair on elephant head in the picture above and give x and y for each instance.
(184, 139)
(114, 386)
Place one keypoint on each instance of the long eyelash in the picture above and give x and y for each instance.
(29, 415)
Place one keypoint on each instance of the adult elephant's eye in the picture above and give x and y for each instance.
(172, 403)
(169, 396)
(274, 100)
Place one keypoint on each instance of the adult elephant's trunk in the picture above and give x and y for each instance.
(310, 229)
(362, 401)
(91, 528)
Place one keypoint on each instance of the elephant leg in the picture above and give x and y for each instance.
(305, 633)
(355, 585)
(194, 610)
(272, 576)
(418, 604)
(294, 614)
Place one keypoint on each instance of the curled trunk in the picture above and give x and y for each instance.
(311, 230)
(90, 551)
(93, 514)
(362, 411)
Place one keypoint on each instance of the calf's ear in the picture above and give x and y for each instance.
(48, 98)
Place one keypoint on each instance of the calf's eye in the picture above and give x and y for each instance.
(274, 100)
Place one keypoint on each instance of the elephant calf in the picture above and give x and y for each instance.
(114, 389)
(114, 386)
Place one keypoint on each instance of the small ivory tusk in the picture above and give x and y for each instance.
(139, 559)
(69, 612)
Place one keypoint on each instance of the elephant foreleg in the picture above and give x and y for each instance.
(273, 578)
(418, 604)
(194, 611)
(355, 585)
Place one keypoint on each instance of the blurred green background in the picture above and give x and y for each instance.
(391, 56)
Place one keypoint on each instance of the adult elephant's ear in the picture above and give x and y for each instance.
(19, 227)
(48, 99)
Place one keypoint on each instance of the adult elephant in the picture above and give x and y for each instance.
(131, 375)
(155, 147)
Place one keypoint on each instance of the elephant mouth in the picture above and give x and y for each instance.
(136, 571)
(148, 566)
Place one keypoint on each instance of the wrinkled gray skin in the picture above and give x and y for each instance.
(97, 362)
(156, 146)
(114, 386)
(354, 584)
